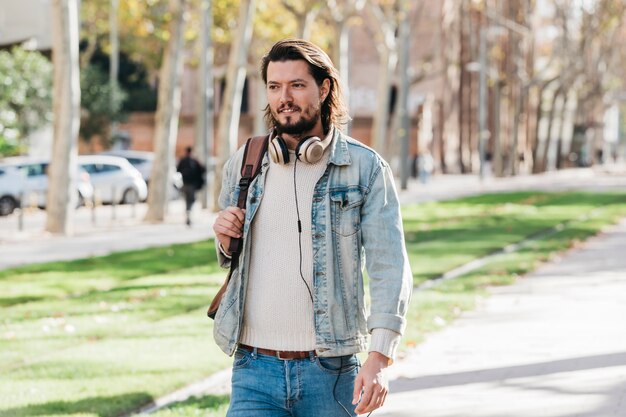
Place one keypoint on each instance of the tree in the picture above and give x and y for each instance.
(205, 99)
(168, 111)
(582, 67)
(340, 13)
(305, 14)
(61, 197)
(228, 123)
(402, 124)
(97, 97)
(387, 47)
(25, 96)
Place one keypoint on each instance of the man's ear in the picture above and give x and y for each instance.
(324, 89)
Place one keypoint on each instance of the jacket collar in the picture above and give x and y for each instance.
(339, 154)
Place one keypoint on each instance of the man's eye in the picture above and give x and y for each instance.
(298, 85)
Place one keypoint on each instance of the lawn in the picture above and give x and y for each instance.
(103, 336)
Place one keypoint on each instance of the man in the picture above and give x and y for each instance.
(294, 312)
(192, 172)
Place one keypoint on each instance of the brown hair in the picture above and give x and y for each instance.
(334, 110)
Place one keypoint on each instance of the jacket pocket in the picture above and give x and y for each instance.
(345, 210)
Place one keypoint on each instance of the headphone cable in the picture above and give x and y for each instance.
(295, 192)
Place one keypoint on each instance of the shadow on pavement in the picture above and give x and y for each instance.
(511, 372)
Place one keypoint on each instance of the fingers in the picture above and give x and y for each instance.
(373, 397)
(229, 225)
(233, 215)
(358, 386)
(372, 382)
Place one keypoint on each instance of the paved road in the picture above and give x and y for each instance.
(552, 345)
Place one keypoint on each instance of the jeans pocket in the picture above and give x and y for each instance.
(338, 364)
(242, 359)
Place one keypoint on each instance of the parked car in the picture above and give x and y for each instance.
(142, 160)
(114, 179)
(24, 181)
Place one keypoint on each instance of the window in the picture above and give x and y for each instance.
(35, 170)
(137, 161)
(109, 168)
(90, 168)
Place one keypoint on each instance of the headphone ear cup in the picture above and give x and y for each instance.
(278, 150)
(310, 150)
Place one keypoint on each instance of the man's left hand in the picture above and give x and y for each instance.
(372, 380)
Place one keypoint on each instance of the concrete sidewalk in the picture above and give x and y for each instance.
(551, 345)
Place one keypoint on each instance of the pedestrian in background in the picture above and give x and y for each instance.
(294, 313)
(192, 172)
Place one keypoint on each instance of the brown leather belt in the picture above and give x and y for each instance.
(280, 354)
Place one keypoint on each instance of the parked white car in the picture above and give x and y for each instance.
(24, 182)
(142, 160)
(114, 179)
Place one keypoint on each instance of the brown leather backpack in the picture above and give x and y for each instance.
(250, 167)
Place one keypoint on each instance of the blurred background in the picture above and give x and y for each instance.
(478, 87)
(504, 123)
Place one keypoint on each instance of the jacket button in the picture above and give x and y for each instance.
(319, 312)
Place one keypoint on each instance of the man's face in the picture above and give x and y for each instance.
(294, 97)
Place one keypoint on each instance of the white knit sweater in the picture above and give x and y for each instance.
(278, 311)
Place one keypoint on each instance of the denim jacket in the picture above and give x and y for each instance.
(356, 223)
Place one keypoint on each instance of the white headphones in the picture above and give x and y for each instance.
(309, 150)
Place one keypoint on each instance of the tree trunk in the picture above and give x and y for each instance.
(306, 23)
(61, 196)
(166, 129)
(559, 145)
(260, 127)
(114, 65)
(496, 137)
(513, 167)
(546, 144)
(536, 163)
(228, 123)
(464, 79)
(205, 97)
(342, 61)
(402, 124)
(387, 60)
(381, 116)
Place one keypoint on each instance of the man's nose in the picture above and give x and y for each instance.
(285, 95)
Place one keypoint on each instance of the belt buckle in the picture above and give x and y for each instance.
(278, 352)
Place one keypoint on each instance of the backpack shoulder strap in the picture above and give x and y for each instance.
(250, 167)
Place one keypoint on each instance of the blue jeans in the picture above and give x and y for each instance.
(265, 386)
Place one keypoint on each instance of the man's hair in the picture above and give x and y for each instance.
(333, 110)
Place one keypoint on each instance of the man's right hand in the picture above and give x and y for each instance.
(229, 224)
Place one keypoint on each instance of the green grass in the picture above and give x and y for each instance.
(103, 336)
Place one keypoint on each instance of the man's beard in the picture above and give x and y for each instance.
(303, 125)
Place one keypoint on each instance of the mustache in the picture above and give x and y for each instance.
(288, 107)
